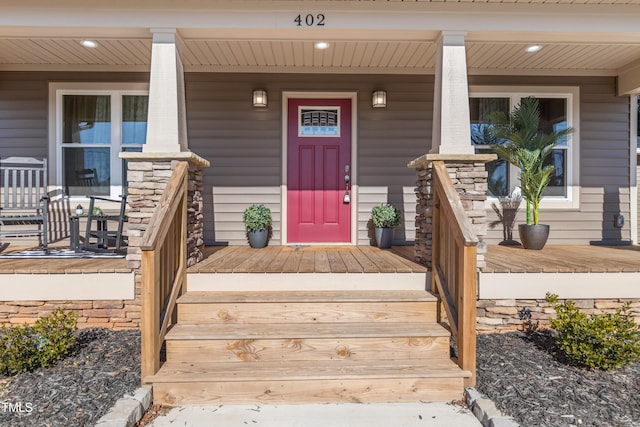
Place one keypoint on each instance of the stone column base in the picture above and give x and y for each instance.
(469, 178)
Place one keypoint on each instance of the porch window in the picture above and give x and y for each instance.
(482, 139)
(557, 112)
(93, 126)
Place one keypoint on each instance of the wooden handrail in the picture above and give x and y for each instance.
(164, 267)
(454, 266)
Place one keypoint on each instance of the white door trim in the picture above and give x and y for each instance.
(633, 167)
(353, 96)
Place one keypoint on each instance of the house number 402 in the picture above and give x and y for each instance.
(310, 20)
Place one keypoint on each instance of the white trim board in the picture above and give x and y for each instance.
(67, 287)
(565, 285)
(305, 281)
(633, 167)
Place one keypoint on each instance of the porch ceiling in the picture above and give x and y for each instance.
(343, 56)
(578, 37)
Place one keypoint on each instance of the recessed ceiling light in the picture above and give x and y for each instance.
(89, 43)
(533, 48)
(322, 45)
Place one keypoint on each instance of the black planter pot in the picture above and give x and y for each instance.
(533, 236)
(258, 239)
(384, 237)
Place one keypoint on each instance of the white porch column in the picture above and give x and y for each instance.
(167, 124)
(451, 130)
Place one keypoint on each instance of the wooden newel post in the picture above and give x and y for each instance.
(150, 339)
(467, 310)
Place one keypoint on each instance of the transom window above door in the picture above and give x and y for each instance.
(92, 127)
(558, 110)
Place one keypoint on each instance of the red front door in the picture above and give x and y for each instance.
(318, 158)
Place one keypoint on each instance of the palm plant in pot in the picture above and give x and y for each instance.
(257, 221)
(528, 149)
(385, 217)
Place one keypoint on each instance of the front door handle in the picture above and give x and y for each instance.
(347, 178)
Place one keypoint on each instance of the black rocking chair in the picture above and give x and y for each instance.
(98, 239)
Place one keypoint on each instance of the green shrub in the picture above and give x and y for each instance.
(25, 348)
(604, 341)
(386, 216)
(257, 217)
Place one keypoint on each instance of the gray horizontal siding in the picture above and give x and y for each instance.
(228, 205)
(370, 196)
(23, 115)
(244, 144)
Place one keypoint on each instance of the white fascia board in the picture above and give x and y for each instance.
(565, 285)
(68, 287)
(338, 15)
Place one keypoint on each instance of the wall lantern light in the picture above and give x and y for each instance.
(259, 98)
(379, 99)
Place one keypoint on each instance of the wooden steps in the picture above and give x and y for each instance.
(323, 341)
(298, 382)
(295, 347)
(301, 307)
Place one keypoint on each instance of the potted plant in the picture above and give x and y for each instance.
(528, 148)
(257, 220)
(385, 217)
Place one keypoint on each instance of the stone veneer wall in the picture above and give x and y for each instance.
(147, 181)
(502, 315)
(116, 314)
(469, 178)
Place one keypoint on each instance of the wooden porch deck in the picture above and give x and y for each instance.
(563, 259)
(63, 266)
(308, 259)
(356, 259)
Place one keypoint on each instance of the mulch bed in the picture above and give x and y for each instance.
(80, 389)
(525, 376)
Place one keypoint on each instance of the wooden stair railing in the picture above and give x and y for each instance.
(454, 267)
(164, 267)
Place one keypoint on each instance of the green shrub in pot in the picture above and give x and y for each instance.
(257, 221)
(385, 217)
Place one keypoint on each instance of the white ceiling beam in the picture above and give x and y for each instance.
(629, 79)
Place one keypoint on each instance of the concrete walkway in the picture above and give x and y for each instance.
(315, 415)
